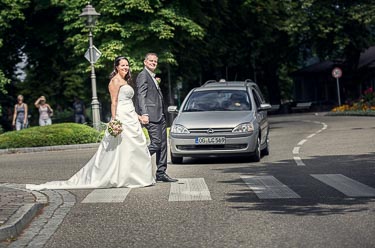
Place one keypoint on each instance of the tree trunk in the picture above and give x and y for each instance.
(272, 83)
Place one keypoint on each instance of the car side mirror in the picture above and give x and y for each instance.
(172, 109)
(264, 107)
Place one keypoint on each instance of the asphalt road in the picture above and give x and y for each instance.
(302, 146)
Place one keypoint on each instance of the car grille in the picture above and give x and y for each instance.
(212, 130)
(211, 147)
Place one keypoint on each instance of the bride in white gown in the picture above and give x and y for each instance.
(121, 161)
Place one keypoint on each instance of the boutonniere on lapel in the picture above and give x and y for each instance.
(158, 79)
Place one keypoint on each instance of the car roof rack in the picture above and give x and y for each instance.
(226, 82)
(209, 82)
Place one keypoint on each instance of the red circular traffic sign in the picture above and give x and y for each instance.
(336, 72)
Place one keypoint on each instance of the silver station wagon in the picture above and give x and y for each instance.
(221, 119)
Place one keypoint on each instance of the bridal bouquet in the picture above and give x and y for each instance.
(114, 127)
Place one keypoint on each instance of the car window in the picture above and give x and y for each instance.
(257, 98)
(218, 100)
(259, 93)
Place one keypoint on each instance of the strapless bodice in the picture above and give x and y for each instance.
(126, 93)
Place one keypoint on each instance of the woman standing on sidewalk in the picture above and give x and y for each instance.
(20, 114)
(45, 111)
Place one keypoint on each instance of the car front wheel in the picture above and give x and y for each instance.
(266, 150)
(176, 160)
(257, 153)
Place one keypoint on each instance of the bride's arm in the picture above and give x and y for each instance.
(113, 88)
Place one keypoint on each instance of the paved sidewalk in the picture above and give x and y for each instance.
(18, 206)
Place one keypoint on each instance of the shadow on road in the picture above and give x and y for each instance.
(316, 198)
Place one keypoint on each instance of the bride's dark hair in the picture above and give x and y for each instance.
(128, 76)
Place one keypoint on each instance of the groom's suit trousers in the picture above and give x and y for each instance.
(158, 144)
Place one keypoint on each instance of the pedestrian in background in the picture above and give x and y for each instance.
(79, 111)
(45, 111)
(20, 114)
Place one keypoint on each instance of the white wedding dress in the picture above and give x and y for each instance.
(122, 161)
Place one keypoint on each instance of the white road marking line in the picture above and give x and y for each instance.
(311, 135)
(296, 150)
(299, 161)
(268, 187)
(107, 195)
(189, 189)
(346, 185)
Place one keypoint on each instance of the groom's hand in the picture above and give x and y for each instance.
(144, 119)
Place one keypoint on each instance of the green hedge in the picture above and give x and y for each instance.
(56, 134)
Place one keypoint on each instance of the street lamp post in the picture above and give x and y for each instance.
(91, 15)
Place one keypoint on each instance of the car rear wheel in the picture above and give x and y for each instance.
(257, 153)
(176, 160)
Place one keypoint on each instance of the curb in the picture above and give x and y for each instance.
(48, 148)
(23, 216)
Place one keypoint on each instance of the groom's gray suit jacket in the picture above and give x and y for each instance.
(149, 97)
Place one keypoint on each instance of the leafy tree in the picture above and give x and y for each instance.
(264, 40)
(11, 15)
(332, 30)
(129, 28)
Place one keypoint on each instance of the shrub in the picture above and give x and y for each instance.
(56, 134)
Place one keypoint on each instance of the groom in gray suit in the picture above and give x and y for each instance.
(150, 107)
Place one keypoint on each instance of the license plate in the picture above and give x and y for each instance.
(210, 140)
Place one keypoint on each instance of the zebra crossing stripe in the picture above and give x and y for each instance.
(299, 161)
(268, 187)
(189, 189)
(346, 185)
(107, 195)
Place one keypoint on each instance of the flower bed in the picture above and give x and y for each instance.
(365, 106)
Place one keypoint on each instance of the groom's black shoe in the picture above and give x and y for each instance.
(165, 178)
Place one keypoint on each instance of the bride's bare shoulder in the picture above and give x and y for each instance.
(115, 82)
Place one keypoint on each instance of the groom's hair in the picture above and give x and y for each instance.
(150, 54)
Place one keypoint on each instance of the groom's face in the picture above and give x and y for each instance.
(151, 62)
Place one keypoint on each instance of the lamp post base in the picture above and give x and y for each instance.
(95, 114)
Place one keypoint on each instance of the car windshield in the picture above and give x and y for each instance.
(218, 100)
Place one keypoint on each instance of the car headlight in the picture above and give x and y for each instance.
(244, 128)
(179, 129)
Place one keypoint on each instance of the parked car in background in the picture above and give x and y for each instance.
(221, 119)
